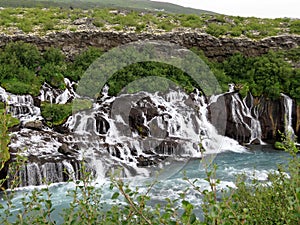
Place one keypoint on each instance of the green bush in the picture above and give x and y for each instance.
(56, 114)
(267, 75)
(21, 53)
(217, 29)
(295, 26)
(20, 88)
(142, 70)
(82, 62)
(53, 55)
(53, 74)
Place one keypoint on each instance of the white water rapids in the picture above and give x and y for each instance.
(138, 132)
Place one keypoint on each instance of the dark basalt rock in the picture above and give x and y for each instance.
(65, 150)
(35, 125)
(223, 117)
(145, 109)
(150, 161)
(255, 142)
(61, 129)
(217, 48)
(271, 115)
(102, 125)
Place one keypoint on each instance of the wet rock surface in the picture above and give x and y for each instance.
(141, 130)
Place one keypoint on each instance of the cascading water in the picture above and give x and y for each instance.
(288, 109)
(136, 132)
(57, 96)
(35, 173)
(211, 140)
(256, 131)
(143, 129)
(245, 116)
(20, 106)
(46, 157)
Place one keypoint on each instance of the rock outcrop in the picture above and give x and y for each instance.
(217, 48)
(267, 118)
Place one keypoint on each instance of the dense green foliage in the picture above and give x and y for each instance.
(42, 20)
(56, 114)
(23, 68)
(173, 77)
(6, 122)
(4, 140)
(268, 75)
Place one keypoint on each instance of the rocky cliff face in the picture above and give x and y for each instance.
(217, 48)
(256, 120)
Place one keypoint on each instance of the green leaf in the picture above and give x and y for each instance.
(115, 195)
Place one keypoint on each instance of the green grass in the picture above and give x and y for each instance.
(40, 21)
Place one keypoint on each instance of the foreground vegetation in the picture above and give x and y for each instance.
(43, 20)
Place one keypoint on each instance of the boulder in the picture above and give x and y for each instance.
(34, 125)
(65, 150)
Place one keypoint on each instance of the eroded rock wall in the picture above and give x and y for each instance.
(216, 48)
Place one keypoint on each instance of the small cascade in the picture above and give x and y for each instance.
(57, 96)
(211, 140)
(88, 122)
(231, 87)
(47, 93)
(21, 106)
(256, 131)
(35, 173)
(288, 109)
(246, 118)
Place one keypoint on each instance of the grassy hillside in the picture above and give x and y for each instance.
(128, 4)
(40, 21)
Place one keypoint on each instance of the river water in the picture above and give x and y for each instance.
(256, 162)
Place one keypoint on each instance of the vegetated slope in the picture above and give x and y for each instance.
(128, 4)
(40, 21)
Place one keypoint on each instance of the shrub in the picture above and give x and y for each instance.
(295, 26)
(216, 29)
(20, 88)
(56, 114)
(21, 53)
(82, 62)
(4, 139)
(53, 55)
(53, 74)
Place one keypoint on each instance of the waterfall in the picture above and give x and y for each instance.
(211, 140)
(252, 112)
(21, 106)
(246, 117)
(288, 109)
(34, 173)
(57, 96)
(133, 131)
